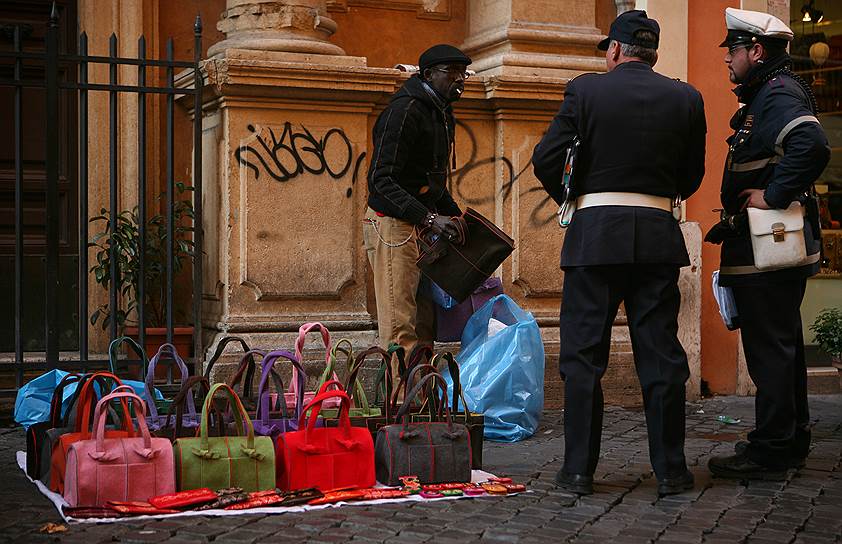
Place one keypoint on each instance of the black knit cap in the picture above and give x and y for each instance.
(626, 25)
(442, 54)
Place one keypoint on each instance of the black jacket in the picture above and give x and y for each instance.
(778, 145)
(641, 132)
(413, 141)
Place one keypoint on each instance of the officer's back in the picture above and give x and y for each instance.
(636, 128)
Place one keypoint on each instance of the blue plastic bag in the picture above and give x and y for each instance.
(32, 403)
(502, 369)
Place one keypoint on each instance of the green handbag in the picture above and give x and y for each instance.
(361, 407)
(226, 461)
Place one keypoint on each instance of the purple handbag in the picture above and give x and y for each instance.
(155, 421)
(450, 323)
(273, 423)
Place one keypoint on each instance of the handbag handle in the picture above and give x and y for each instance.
(85, 402)
(439, 383)
(384, 376)
(419, 356)
(178, 401)
(247, 367)
(458, 392)
(330, 366)
(316, 405)
(139, 409)
(427, 399)
(220, 348)
(113, 357)
(267, 370)
(354, 387)
(57, 399)
(241, 419)
(165, 349)
(299, 348)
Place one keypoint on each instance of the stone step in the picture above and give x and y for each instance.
(823, 380)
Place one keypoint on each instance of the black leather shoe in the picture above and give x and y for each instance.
(742, 446)
(575, 483)
(740, 467)
(674, 486)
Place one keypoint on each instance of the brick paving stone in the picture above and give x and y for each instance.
(144, 536)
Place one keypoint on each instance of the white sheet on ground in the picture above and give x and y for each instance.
(60, 503)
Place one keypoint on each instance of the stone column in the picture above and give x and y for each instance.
(297, 26)
(285, 140)
(551, 38)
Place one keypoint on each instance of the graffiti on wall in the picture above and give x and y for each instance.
(298, 151)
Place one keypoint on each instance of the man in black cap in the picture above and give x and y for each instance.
(407, 188)
(777, 151)
(642, 145)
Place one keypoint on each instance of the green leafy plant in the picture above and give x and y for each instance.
(828, 329)
(126, 239)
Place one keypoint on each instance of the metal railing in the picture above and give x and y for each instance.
(52, 62)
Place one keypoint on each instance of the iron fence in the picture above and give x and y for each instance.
(52, 61)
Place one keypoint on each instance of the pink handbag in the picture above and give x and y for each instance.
(104, 469)
(291, 396)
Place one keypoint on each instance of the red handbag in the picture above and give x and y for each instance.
(325, 457)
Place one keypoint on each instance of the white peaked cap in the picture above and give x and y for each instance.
(758, 23)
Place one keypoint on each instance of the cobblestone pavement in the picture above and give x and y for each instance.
(807, 508)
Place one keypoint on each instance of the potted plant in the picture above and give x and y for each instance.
(828, 333)
(126, 238)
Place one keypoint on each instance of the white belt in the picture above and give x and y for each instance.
(624, 199)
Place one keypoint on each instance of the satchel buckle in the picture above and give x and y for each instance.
(778, 231)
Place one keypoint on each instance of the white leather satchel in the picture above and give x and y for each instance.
(777, 237)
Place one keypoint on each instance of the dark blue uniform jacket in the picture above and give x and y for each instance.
(641, 132)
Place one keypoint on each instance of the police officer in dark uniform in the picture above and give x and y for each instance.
(777, 151)
(642, 145)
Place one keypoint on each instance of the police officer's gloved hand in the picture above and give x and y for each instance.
(730, 227)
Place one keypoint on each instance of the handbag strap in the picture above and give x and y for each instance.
(137, 404)
(247, 367)
(85, 402)
(220, 348)
(114, 357)
(58, 398)
(241, 418)
(458, 392)
(166, 350)
(178, 401)
(440, 384)
(355, 388)
(268, 371)
(331, 365)
(299, 349)
(382, 385)
(419, 356)
(315, 405)
(427, 399)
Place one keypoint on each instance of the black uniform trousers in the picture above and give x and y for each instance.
(592, 295)
(770, 326)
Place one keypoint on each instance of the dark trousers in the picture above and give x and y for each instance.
(770, 326)
(592, 295)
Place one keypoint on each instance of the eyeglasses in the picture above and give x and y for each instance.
(736, 47)
(454, 72)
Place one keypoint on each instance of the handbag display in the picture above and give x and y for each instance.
(36, 434)
(327, 457)
(154, 420)
(102, 469)
(777, 237)
(82, 426)
(460, 267)
(244, 461)
(435, 451)
(291, 396)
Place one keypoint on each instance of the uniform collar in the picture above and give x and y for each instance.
(634, 65)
